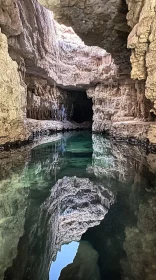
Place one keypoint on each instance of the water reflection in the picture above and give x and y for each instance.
(126, 238)
(61, 191)
(64, 257)
(85, 264)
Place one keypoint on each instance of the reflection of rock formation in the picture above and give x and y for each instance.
(74, 205)
(113, 160)
(18, 178)
(13, 203)
(140, 244)
(127, 235)
(84, 266)
(119, 160)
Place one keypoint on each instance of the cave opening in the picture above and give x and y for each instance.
(58, 104)
(82, 107)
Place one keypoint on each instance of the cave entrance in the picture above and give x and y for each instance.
(82, 107)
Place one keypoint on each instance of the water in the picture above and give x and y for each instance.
(64, 258)
(79, 206)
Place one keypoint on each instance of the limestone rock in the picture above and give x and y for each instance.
(54, 52)
(10, 17)
(12, 98)
(55, 57)
(142, 42)
(97, 22)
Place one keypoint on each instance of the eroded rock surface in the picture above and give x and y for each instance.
(54, 55)
(104, 23)
(13, 98)
(54, 51)
(142, 42)
(50, 53)
(101, 23)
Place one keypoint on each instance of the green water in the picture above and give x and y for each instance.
(117, 240)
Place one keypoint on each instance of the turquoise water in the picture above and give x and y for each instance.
(77, 206)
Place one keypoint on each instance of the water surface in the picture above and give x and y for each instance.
(84, 188)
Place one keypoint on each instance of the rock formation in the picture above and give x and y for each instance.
(114, 26)
(50, 56)
(97, 22)
(52, 59)
(13, 98)
(120, 161)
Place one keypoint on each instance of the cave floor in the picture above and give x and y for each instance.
(49, 125)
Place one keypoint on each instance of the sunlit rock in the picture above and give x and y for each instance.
(12, 98)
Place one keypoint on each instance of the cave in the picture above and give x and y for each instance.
(46, 102)
(78, 139)
(82, 108)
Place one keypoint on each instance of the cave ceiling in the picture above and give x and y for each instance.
(101, 23)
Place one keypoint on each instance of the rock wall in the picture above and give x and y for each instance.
(98, 22)
(47, 50)
(12, 98)
(108, 26)
(53, 51)
(45, 102)
(141, 18)
(121, 103)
